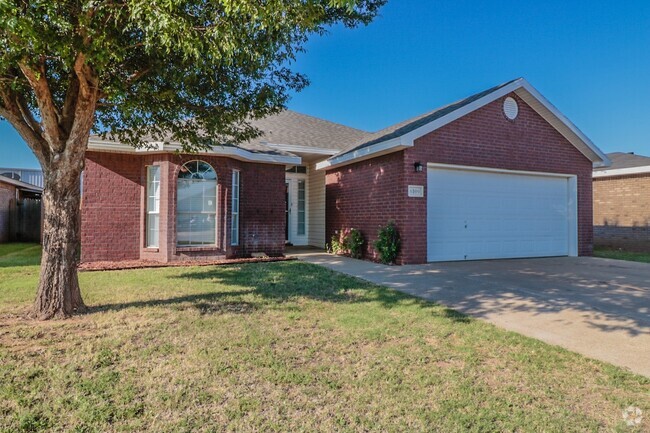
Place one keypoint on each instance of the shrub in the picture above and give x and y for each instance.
(387, 243)
(355, 243)
(347, 242)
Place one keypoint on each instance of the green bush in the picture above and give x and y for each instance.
(347, 242)
(387, 243)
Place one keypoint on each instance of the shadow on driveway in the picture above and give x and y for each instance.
(597, 307)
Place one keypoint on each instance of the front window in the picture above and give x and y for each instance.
(153, 206)
(235, 208)
(302, 221)
(196, 207)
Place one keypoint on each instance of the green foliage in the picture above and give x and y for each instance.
(388, 243)
(621, 254)
(192, 71)
(347, 242)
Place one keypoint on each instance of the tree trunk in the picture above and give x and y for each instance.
(58, 289)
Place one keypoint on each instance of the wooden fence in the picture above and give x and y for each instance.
(25, 220)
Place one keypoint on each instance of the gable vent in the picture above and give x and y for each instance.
(510, 108)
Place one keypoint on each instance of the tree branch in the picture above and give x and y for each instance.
(71, 95)
(10, 110)
(22, 105)
(83, 116)
(49, 112)
(137, 75)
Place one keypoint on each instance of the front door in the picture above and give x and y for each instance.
(296, 209)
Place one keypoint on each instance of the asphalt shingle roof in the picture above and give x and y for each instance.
(290, 127)
(625, 160)
(399, 129)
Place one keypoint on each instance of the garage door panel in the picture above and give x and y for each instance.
(475, 215)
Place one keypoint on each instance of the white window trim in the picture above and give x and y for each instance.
(292, 179)
(149, 212)
(304, 210)
(185, 247)
(234, 213)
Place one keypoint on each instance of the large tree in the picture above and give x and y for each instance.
(194, 71)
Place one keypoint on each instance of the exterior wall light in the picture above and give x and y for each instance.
(418, 167)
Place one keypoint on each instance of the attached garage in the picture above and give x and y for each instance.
(500, 174)
(475, 214)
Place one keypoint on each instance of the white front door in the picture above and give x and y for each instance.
(296, 209)
(475, 214)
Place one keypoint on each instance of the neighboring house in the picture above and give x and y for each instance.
(28, 175)
(622, 202)
(20, 214)
(500, 174)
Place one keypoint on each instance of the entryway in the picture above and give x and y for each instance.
(296, 209)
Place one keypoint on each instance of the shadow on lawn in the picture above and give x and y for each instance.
(275, 284)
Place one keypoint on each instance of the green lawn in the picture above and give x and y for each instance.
(286, 347)
(610, 253)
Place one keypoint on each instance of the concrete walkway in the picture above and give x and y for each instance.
(597, 307)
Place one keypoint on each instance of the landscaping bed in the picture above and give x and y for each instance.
(143, 264)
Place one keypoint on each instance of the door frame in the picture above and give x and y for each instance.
(291, 181)
(572, 196)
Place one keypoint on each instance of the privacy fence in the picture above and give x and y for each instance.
(21, 221)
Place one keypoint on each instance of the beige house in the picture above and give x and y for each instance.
(622, 202)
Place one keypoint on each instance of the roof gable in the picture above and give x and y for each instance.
(403, 135)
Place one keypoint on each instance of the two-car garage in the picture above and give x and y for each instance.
(475, 214)
(501, 174)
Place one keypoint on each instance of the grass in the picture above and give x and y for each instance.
(618, 254)
(283, 347)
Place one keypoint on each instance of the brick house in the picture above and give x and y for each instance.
(622, 202)
(500, 174)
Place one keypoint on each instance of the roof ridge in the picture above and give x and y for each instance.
(395, 129)
(331, 122)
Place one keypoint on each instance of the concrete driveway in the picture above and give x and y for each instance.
(597, 307)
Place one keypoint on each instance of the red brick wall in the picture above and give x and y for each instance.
(110, 210)
(262, 209)
(483, 138)
(622, 212)
(365, 195)
(7, 196)
(113, 210)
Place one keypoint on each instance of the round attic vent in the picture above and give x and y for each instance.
(510, 108)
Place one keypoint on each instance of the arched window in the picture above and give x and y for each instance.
(196, 205)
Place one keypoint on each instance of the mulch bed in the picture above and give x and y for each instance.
(143, 264)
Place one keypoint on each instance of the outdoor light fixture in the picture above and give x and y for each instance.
(418, 167)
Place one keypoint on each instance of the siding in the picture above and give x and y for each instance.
(316, 206)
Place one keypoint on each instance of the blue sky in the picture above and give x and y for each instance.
(591, 59)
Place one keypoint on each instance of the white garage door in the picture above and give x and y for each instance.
(474, 214)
